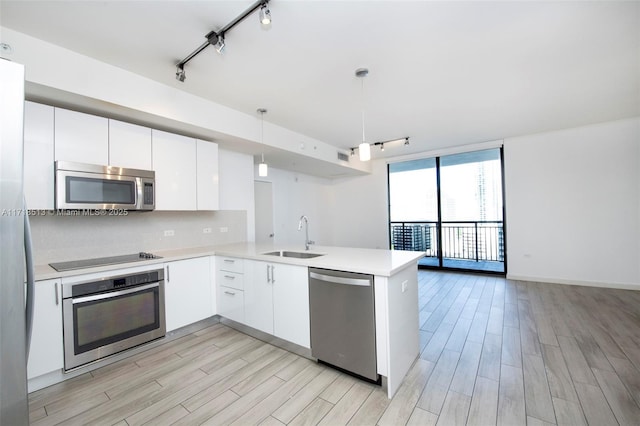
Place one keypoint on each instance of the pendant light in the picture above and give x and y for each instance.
(364, 149)
(263, 169)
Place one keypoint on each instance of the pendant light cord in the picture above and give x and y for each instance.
(262, 132)
(362, 106)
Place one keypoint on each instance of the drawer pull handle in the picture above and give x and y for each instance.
(229, 260)
(231, 277)
(230, 293)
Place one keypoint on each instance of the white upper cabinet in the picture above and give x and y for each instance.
(38, 156)
(187, 171)
(82, 138)
(129, 145)
(207, 169)
(174, 161)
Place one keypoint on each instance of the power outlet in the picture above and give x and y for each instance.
(224, 229)
(169, 233)
(404, 286)
(206, 230)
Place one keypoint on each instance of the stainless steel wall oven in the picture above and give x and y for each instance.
(108, 315)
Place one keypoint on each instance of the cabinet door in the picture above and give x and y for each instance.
(258, 295)
(174, 161)
(81, 138)
(291, 304)
(187, 292)
(46, 354)
(38, 156)
(129, 145)
(207, 170)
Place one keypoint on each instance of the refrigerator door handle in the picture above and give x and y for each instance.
(28, 256)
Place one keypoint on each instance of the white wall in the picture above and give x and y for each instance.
(358, 210)
(573, 205)
(236, 186)
(294, 195)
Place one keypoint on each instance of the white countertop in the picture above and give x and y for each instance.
(368, 261)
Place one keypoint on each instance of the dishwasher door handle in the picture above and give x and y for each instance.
(363, 282)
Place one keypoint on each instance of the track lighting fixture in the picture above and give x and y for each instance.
(265, 15)
(217, 38)
(263, 169)
(367, 148)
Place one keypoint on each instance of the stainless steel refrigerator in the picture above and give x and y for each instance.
(14, 237)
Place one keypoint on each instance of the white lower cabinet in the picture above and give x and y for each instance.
(277, 300)
(187, 292)
(46, 354)
(258, 295)
(291, 305)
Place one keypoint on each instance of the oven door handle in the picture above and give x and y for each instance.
(113, 294)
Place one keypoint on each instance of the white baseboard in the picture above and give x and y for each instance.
(607, 284)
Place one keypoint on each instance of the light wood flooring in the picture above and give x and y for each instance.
(493, 351)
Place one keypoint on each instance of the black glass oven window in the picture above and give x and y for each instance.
(106, 321)
(101, 191)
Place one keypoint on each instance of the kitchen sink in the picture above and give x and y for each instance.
(296, 254)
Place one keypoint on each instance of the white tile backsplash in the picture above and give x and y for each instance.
(59, 238)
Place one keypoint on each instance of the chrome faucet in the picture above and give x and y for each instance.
(307, 241)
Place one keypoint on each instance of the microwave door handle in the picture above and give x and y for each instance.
(139, 201)
(113, 294)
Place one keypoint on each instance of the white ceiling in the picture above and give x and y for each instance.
(443, 73)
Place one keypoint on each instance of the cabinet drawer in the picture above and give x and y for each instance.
(230, 264)
(230, 279)
(231, 303)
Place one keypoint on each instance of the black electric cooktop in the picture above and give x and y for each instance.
(102, 261)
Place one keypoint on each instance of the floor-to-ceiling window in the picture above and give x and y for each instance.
(450, 207)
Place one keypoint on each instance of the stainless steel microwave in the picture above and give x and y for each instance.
(89, 186)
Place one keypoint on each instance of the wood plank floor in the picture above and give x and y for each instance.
(493, 351)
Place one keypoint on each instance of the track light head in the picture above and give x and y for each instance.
(406, 141)
(381, 147)
(180, 74)
(219, 46)
(265, 14)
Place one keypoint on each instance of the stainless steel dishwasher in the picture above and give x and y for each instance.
(343, 328)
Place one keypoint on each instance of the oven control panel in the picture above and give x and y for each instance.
(111, 283)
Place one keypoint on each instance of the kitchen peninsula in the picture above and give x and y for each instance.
(395, 288)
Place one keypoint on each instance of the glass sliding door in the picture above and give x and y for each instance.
(413, 207)
(455, 203)
(471, 206)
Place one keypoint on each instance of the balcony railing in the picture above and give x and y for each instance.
(466, 240)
